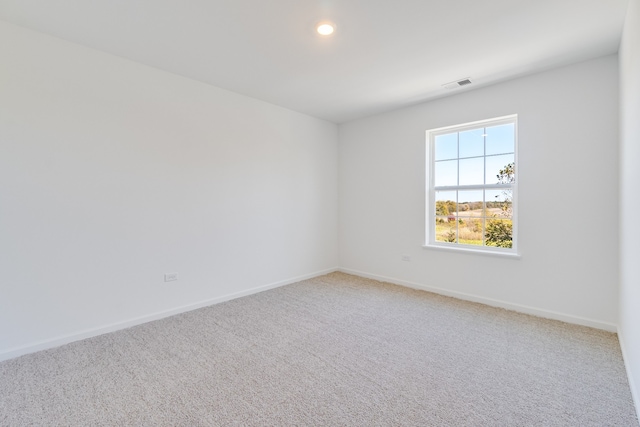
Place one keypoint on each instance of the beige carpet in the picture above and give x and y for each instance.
(337, 350)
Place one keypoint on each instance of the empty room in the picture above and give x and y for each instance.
(349, 213)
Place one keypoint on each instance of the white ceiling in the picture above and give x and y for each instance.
(384, 55)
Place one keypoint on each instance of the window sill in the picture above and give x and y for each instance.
(473, 251)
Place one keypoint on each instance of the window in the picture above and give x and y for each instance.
(472, 186)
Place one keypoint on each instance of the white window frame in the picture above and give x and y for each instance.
(430, 211)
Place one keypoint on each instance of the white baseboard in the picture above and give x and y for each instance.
(92, 332)
(632, 385)
(547, 314)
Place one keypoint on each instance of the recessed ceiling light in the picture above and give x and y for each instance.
(325, 28)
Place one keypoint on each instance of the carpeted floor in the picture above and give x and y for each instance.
(337, 350)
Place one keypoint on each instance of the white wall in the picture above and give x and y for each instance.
(568, 199)
(629, 196)
(113, 173)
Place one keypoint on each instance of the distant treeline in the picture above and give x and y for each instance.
(446, 207)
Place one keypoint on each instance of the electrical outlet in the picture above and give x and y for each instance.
(406, 258)
(170, 277)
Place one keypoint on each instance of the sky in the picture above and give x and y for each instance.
(473, 157)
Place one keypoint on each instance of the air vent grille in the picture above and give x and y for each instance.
(457, 83)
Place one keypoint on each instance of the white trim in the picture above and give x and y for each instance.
(464, 249)
(635, 395)
(539, 312)
(431, 189)
(92, 332)
(472, 125)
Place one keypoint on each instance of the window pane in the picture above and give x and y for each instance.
(470, 202)
(472, 171)
(445, 203)
(446, 146)
(499, 203)
(446, 230)
(472, 143)
(446, 173)
(470, 230)
(501, 139)
(499, 233)
(495, 164)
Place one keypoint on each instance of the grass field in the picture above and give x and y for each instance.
(468, 227)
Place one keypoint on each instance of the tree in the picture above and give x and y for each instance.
(507, 175)
(441, 208)
(445, 207)
(499, 232)
(450, 237)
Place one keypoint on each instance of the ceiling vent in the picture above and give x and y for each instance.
(457, 83)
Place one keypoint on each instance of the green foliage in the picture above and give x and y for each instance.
(499, 233)
(445, 207)
(507, 175)
(450, 237)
